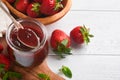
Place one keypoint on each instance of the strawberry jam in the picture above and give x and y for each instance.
(28, 45)
(28, 37)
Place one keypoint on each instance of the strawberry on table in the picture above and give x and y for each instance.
(33, 10)
(5, 61)
(21, 5)
(60, 42)
(50, 7)
(80, 34)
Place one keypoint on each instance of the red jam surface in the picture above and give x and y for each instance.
(27, 37)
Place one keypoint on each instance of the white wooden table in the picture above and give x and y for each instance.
(99, 60)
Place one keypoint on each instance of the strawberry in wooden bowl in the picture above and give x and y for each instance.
(45, 11)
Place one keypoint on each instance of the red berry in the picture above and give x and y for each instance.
(57, 37)
(60, 42)
(21, 5)
(4, 60)
(80, 34)
(33, 10)
(50, 7)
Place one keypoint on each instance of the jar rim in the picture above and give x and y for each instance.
(41, 26)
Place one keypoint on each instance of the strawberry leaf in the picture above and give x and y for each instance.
(64, 42)
(68, 51)
(59, 54)
(66, 71)
(58, 5)
(2, 66)
(58, 0)
(90, 35)
(10, 74)
(86, 34)
(14, 74)
(6, 76)
(36, 7)
(44, 76)
(62, 49)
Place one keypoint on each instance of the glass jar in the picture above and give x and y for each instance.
(23, 55)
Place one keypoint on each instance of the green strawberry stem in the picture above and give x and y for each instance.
(62, 49)
(58, 5)
(59, 0)
(36, 7)
(86, 34)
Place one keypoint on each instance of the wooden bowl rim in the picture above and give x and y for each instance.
(46, 20)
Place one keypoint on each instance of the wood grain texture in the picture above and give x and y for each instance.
(31, 72)
(46, 20)
(97, 5)
(89, 67)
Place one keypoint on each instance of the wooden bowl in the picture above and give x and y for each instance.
(45, 20)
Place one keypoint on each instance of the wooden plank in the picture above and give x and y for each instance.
(85, 67)
(31, 72)
(95, 5)
(104, 25)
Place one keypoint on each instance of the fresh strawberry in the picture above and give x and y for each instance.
(40, 1)
(11, 1)
(50, 7)
(80, 34)
(1, 48)
(60, 42)
(5, 61)
(33, 10)
(21, 5)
